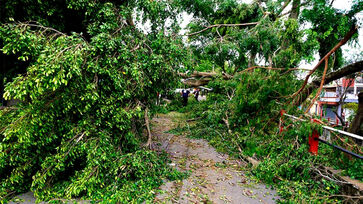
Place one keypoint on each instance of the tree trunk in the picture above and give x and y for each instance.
(357, 125)
(149, 140)
(198, 74)
(345, 71)
(204, 75)
(197, 82)
(2, 75)
(295, 10)
(294, 14)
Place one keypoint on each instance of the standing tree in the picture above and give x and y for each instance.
(357, 123)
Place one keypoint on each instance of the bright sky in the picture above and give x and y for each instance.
(338, 4)
(346, 5)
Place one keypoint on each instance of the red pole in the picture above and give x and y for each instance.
(314, 143)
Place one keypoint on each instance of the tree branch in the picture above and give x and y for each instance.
(148, 144)
(283, 7)
(222, 25)
(321, 86)
(274, 68)
(225, 120)
(42, 27)
(328, 178)
(342, 42)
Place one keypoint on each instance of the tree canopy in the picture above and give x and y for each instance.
(78, 127)
(276, 39)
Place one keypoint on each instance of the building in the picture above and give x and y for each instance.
(335, 95)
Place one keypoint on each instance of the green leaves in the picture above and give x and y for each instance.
(252, 115)
(77, 129)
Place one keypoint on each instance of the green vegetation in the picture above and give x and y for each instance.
(85, 74)
(253, 118)
(353, 107)
(77, 131)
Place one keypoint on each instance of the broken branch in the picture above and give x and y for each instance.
(273, 68)
(148, 144)
(342, 42)
(222, 25)
(321, 86)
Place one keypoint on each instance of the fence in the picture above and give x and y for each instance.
(314, 138)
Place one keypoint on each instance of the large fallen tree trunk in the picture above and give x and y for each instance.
(198, 74)
(196, 78)
(197, 82)
(204, 74)
(345, 71)
(205, 77)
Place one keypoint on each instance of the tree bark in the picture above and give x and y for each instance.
(295, 10)
(204, 74)
(149, 140)
(357, 125)
(198, 74)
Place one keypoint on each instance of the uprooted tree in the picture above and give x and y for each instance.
(85, 95)
(260, 47)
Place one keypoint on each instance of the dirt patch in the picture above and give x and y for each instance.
(214, 178)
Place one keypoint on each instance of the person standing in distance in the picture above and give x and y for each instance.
(185, 95)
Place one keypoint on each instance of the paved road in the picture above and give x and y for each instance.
(214, 177)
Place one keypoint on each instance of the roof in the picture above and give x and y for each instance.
(330, 86)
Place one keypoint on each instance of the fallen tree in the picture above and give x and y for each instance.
(77, 132)
(344, 71)
(197, 82)
(196, 78)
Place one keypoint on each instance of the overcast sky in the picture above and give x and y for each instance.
(338, 4)
(346, 5)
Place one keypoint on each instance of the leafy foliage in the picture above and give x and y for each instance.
(274, 41)
(77, 131)
(332, 25)
(253, 120)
